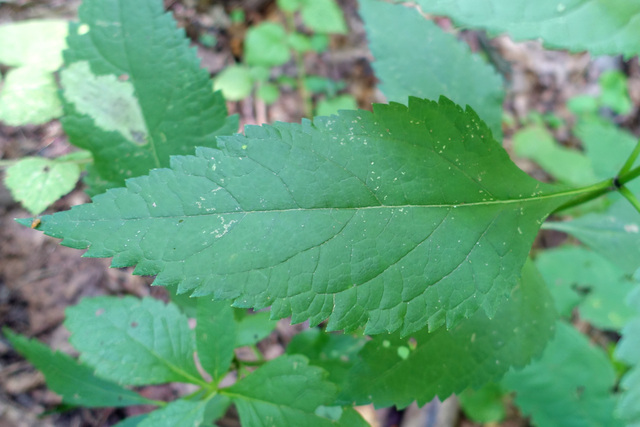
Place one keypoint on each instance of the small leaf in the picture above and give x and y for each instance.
(252, 328)
(215, 336)
(330, 106)
(269, 93)
(564, 164)
(235, 82)
(29, 96)
(132, 341)
(614, 234)
(75, 382)
(485, 405)
(414, 57)
(284, 392)
(183, 412)
(36, 43)
(397, 219)
(579, 277)
(615, 92)
(601, 28)
(570, 385)
(323, 16)
(266, 45)
(37, 182)
(131, 60)
(396, 370)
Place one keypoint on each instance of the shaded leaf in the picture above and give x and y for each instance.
(599, 27)
(396, 371)
(183, 412)
(628, 351)
(569, 386)
(133, 341)
(37, 182)
(414, 57)
(75, 382)
(215, 336)
(397, 219)
(252, 328)
(485, 405)
(266, 45)
(155, 101)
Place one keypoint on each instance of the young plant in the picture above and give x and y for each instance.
(408, 228)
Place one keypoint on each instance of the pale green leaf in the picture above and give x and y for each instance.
(133, 341)
(414, 57)
(485, 405)
(601, 27)
(134, 92)
(397, 219)
(284, 392)
(266, 45)
(235, 82)
(323, 16)
(567, 165)
(252, 327)
(215, 336)
(614, 234)
(580, 278)
(569, 386)
(184, 413)
(329, 106)
(37, 182)
(75, 382)
(36, 43)
(396, 370)
(29, 96)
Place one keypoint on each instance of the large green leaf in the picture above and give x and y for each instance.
(284, 392)
(614, 234)
(397, 219)
(420, 59)
(187, 413)
(75, 382)
(570, 385)
(134, 91)
(397, 371)
(132, 341)
(580, 278)
(601, 27)
(628, 351)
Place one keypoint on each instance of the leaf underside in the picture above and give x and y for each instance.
(600, 27)
(134, 91)
(393, 220)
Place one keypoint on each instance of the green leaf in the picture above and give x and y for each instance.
(335, 353)
(580, 278)
(284, 392)
(252, 328)
(266, 45)
(330, 106)
(396, 370)
(215, 336)
(566, 165)
(602, 28)
(269, 93)
(397, 219)
(75, 382)
(36, 43)
(628, 351)
(615, 92)
(485, 405)
(299, 42)
(132, 421)
(235, 82)
(29, 96)
(420, 59)
(134, 92)
(37, 182)
(613, 234)
(183, 412)
(323, 16)
(133, 341)
(569, 386)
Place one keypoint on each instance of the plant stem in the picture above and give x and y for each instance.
(631, 160)
(628, 176)
(630, 197)
(301, 72)
(592, 192)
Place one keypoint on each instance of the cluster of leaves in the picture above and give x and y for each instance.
(409, 224)
(271, 44)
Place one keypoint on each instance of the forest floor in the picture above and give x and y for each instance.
(39, 278)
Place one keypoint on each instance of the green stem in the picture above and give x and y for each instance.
(631, 160)
(628, 176)
(630, 197)
(301, 72)
(592, 192)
